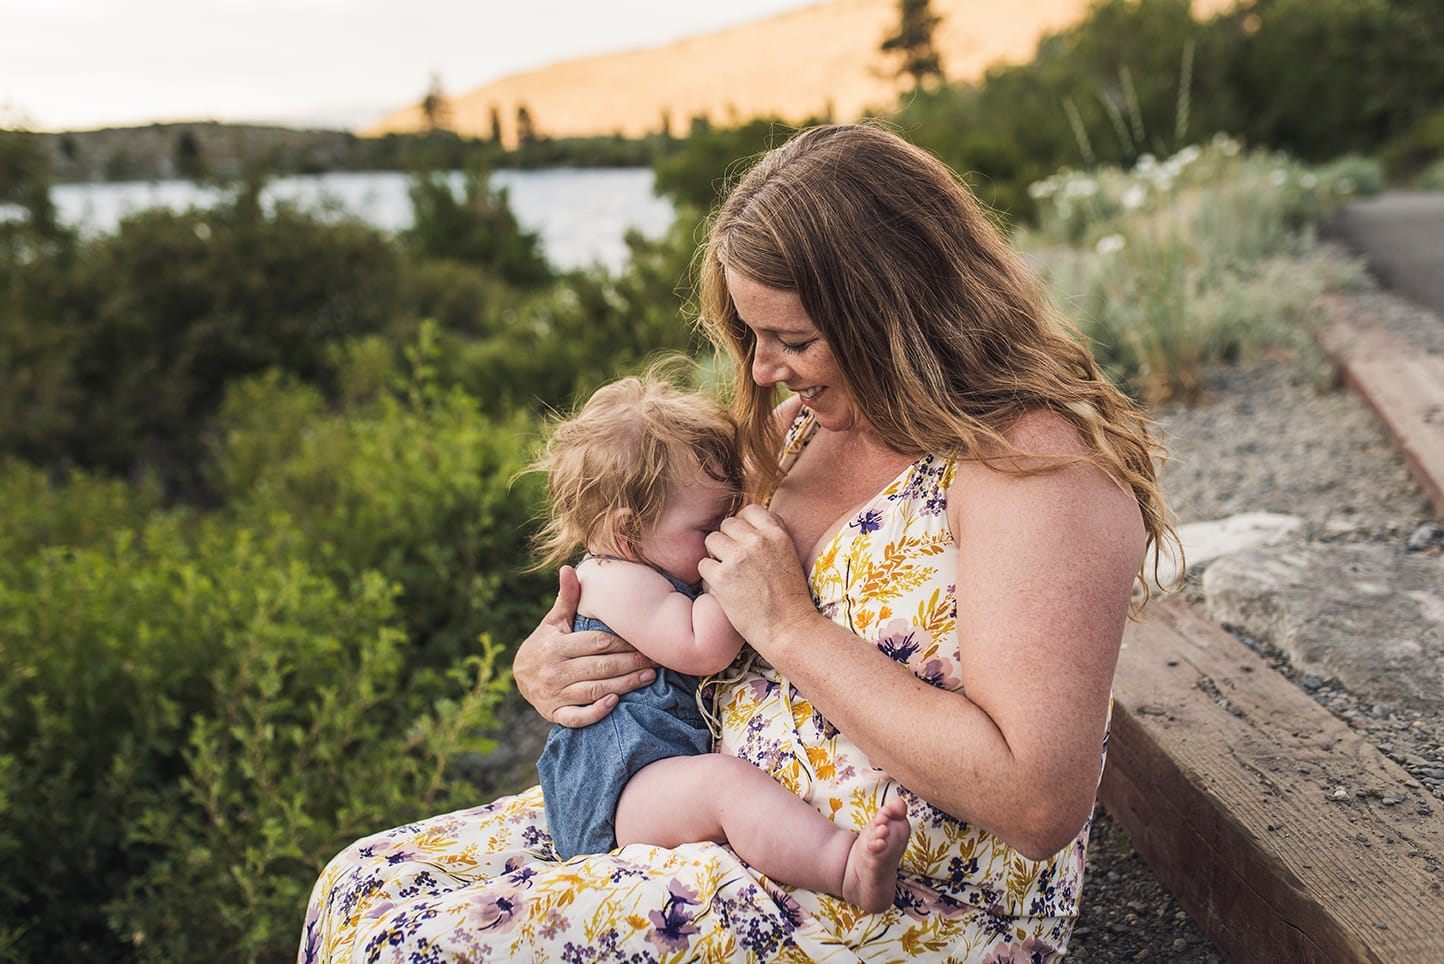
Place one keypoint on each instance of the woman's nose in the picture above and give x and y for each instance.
(767, 367)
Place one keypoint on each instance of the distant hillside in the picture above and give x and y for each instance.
(199, 149)
(821, 60)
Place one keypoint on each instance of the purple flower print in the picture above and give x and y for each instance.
(869, 521)
(902, 641)
(675, 927)
(497, 911)
(674, 921)
(1031, 951)
(937, 672)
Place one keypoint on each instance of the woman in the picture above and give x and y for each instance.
(934, 577)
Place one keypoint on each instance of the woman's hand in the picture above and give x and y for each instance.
(754, 572)
(570, 678)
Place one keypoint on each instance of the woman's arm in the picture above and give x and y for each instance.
(574, 678)
(641, 606)
(1045, 569)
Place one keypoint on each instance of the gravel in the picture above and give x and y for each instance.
(1276, 436)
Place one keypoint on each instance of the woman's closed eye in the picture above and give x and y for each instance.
(794, 347)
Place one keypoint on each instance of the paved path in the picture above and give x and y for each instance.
(1401, 235)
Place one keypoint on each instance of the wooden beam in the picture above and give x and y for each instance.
(1228, 779)
(1401, 384)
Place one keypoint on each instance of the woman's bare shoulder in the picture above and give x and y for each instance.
(1043, 432)
(1071, 484)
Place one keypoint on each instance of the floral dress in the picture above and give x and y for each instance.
(486, 885)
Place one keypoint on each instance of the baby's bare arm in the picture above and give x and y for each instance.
(640, 605)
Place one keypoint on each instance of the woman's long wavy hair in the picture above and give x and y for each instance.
(944, 336)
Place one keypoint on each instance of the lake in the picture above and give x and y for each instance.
(581, 214)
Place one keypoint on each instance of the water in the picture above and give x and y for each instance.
(580, 214)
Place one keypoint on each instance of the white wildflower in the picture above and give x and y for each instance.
(1039, 190)
(1081, 187)
(1134, 196)
(1278, 177)
(1146, 163)
(1226, 145)
(1309, 181)
(1109, 244)
(203, 230)
(1186, 156)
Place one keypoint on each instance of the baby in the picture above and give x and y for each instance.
(639, 477)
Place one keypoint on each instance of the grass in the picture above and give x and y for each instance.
(1173, 266)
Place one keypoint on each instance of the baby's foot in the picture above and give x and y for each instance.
(870, 878)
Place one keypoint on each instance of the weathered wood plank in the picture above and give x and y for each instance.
(1403, 387)
(1226, 775)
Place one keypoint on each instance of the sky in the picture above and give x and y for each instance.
(81, 64)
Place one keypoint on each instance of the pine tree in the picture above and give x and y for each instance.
(436, 106)
(913, 42)
(495, 126)
(525, 127)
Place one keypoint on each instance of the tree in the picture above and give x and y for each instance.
(495, 126)
(436, 106)
(913, 42)
(189, 162)
(525, 127)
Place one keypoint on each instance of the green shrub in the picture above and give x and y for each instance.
(1353, 175)
(475, 227)
(1177, 265)
(1433, 177)
(417, 486)
(83, 512)
(192, 722)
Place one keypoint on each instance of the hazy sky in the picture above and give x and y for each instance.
(74, 64)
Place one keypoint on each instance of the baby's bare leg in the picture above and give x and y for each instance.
(721, 798)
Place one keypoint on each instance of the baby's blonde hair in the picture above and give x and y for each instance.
(609, 466)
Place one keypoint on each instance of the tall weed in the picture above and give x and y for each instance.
(1175, 265)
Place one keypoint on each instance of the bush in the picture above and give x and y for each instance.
(1433, 177)
(1178, 265)
(197, 722)
(83, 512)
(476, 227)
(1353, 175)
(417, 486)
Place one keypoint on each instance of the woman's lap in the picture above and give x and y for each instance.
(484, 884)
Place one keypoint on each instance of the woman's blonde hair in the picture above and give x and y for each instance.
(944, 336)
(610, 466)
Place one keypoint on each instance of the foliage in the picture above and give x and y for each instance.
(476, 228)
(121, 345)
(1175, 266)
(589, 328)
(418, 487)
(913, 45)
(82, 512)
(1414, 150)
(221, 700)
(1433, 177)
(1138, 77)
(698, 174)
(1335, 76)
(25, 178)
(1353, 175)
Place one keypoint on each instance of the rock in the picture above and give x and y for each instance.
(1363, 614)
(1205, 541)
(1430, 535)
